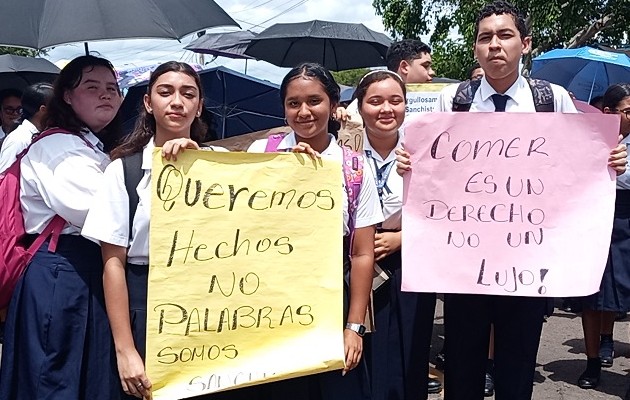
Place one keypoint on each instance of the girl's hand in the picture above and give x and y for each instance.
(618, 159)
(306, 148)
(403, 163)
(353, 344)
(386, 243)
(172, 147)
(133, 378)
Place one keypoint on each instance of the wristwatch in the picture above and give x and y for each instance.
(358, 328)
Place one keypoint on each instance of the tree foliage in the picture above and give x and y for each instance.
(553, 23)
(350, 77)
(18, 51)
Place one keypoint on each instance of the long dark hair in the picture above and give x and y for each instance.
(60, 114)
(144, 129)
(317, 71)
(34, 97)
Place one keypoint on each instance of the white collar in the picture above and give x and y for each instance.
(367, 146)
(515, 91)
(147, 155)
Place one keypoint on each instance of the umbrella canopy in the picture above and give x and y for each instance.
(337, 46)
(586, 72)
(231, 44)
(239, 103)
(17, 72)
(39, 24)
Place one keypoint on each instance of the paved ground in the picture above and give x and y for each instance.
(561, 360)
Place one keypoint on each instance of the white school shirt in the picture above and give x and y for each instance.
(60, 174)
(521, 99)
(392, 198)
(108, 218)
(17, 141)
(369, 208)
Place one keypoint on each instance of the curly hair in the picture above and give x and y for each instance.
(407, 49)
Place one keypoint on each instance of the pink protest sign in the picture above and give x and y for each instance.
(516, 204)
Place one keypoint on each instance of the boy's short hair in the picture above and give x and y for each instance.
(500, 8)
(407, 49)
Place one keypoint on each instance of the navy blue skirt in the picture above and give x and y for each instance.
(398, 351)
(58, 343)
(614, 290)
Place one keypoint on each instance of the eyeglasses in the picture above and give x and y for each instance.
(11, 110)
(625, 112)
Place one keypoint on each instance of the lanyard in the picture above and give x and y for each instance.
(382, 174)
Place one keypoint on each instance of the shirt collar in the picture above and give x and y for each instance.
(92, 139)
(515, 91)
(290, 141)
(367, 146)
(29, 126)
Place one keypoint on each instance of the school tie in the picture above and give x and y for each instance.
(499, 100)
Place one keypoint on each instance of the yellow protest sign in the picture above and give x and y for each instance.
(245, 279)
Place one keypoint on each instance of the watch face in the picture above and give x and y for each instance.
(361, 331)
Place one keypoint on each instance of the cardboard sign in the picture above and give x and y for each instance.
(517, 204)
(245, 271)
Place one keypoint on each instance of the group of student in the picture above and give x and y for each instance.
(76, 325)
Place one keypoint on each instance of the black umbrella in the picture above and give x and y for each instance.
(38, 24)
(17, 72)
(231, 44)
(337, 46)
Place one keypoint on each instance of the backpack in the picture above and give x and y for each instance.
(352, 174)
(541, 92)
(15, 250)
(132, 172)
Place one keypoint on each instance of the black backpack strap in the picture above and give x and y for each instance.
(542, 94)
(132, 172)
(465, 94)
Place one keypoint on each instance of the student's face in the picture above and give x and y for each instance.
(175, 102)
(419, 70)
(623, 108)
(383, 108)
(11, 110)
(96, 99)
(307, 107)
(499, 46)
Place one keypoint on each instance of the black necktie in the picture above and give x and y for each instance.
(499, 101)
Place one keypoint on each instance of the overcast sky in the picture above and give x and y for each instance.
(249, 14)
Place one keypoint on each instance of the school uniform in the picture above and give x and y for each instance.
(517, 320)
(398, 350)
(330, 385)
(108, 221)
(57, 338)
(614, 290)
(14, 143)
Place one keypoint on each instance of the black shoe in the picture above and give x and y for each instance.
(488, 391)
(435, 386)
(606, 350)
(620, 316)
(440, 360)
(590, 378)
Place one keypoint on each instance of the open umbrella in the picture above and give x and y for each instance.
(239, 103)
(38, 24)
(230, 44)
(17, 72)
(337, 46)
(586, 72)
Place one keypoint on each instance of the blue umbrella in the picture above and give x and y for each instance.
(586, 72)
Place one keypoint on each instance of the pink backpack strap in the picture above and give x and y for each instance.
(353, 177)
(273, 141)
